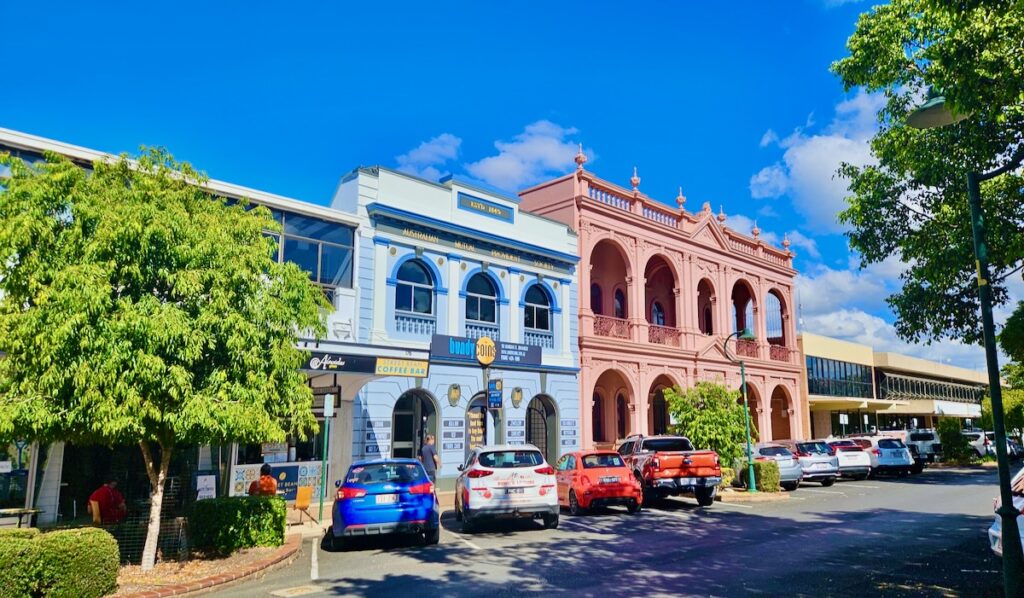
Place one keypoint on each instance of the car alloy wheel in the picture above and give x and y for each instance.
(574, 504)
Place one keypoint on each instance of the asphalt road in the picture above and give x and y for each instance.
(922, 536)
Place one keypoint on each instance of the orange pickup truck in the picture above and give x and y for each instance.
(669, 465)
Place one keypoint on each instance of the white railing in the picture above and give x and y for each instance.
(415, 324)
(542, 339)
(659, 216)
(609, 198)
(476, 330)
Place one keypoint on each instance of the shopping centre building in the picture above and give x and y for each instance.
(662, 290)
(853, 389)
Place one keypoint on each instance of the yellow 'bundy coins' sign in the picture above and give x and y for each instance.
(486, 351)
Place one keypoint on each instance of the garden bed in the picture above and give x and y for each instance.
(740, 495)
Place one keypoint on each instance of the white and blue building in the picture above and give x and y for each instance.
(489, 291)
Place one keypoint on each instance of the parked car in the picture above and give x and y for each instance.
(978, 441)
(995, 532)
(1013, 450)
(791, 472)
(385, 496)
(919, 460)
(588, 479)
(854, 463)
(817, 458)
(888, 455)
(669, 465)
(927, 442)
(504, 482)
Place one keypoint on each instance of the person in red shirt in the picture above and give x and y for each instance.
(266, 485)
(110, 501)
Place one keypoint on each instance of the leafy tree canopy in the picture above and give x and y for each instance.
(912, 203)
(711, 416)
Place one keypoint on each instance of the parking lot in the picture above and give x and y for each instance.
(918, 536)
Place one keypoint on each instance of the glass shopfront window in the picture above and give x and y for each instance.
(829, 377)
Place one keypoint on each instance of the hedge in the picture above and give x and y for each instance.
(766, 473)
(74, 563)
(228, 524)
(18, 532)
(728, 476)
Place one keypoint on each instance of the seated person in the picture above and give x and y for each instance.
(266, 485)
(111, 502)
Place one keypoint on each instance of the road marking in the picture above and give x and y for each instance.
(299, 591)
(822, 491)
(732, 504)
(676, 514)
(585, 526)
(314, 566)
(863, 486)
(468, 543)
(978, 571)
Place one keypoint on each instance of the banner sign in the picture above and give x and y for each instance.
(466, 350)
(320, 361)
(494, 394)
(289, 477)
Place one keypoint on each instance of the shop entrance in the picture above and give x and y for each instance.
(413, 418)
(541, 426)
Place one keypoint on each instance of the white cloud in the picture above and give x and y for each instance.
(771, 181)
(769, 137)
(801, 241)
(838, 3)
(824, 290)
(542, 150)
(427, 159)
(743, 225)
(810, 162)
(768, 211)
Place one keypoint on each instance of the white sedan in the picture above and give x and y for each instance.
(503, 482)
(995, 533)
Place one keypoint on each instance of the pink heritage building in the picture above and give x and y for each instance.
(666, 287)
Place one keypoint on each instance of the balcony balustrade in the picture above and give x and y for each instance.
(538, 338)
(664, 335)
(476, 330)
(779, 353)
(415, 324)
(746, 348)
(613, 327)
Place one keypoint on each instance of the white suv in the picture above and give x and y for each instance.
(506, 481)
(887, 454)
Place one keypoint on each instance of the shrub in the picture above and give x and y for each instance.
(955, 447)
(229, 524)
(26, 533)
(74, 563)
(766, 473)
(728, 476)
(710, 416)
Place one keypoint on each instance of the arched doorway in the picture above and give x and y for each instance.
(542, 426)
(612, 400)
(658, 419)
(781, 429)
(754, 403)
(479, 423)
(413, 418)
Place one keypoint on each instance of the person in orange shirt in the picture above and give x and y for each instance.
(266, 485)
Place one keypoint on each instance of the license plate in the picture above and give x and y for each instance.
(819, 466)
(387, 499)
(515, 490)
(610, 479)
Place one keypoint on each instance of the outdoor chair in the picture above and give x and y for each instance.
(94, 510)
(303, 498)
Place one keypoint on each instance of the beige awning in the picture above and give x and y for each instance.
(825, 403)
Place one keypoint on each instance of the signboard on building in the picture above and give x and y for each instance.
(289, 477)
(206, 485)
(476, 428)
(320, 361)
(477, 205)
(494, 394)
(495, 354)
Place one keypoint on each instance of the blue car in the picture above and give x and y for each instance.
(385, 496)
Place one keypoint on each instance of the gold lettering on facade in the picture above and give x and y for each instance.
(465, 246)
(504, 256)
(419, 235)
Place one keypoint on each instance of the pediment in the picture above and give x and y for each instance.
(712, 349)
(709, 233)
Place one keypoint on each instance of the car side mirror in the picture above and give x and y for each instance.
(337, 483)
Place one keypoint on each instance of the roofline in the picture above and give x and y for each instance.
(42, 144)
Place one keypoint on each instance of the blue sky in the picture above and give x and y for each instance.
(735, 105)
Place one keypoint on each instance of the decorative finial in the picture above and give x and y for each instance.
(721, 213)
(635, 180)
(755, 231)
(580, 159)
(706, 207)
(785, 241)
(680, 199)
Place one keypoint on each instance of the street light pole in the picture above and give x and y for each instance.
(935, 113)
(746, 334)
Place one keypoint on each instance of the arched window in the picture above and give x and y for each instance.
(415, 289)
(708, 327)
(621, 412)
(481, 299)
(537, 312)
(595, 299)
(657, 314)
(620, 304)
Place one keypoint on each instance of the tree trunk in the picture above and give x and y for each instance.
(157, 478)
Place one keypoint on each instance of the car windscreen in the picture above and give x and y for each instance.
(775, 451)
(603, 460)
(814, 448)
(386, 473)
(921, 436)
(667, 444)
(891, 443)
(511, 458)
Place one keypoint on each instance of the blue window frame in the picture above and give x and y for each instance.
(537, 309)
(481, 300)
(414, 291)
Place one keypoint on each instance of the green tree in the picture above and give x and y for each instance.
(137, 308)
(913, 202)
(1013, 411)
(955, 448)
(711, 416)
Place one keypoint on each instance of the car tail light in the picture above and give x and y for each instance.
(346, 493)
(424, 488)
(544, 489)
(547, 470)
(479, 473)
(877, 452)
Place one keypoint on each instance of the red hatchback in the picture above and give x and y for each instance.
(588, 479)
